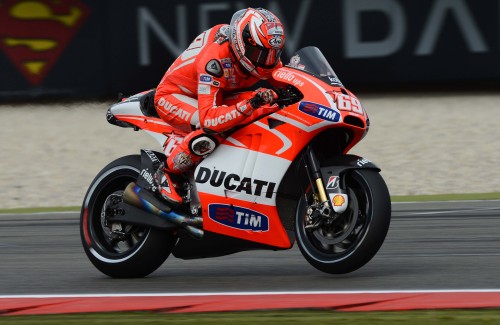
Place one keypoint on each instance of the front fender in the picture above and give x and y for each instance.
(335, 170)
(337, 165)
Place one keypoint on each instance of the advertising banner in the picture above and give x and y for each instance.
(91, 48)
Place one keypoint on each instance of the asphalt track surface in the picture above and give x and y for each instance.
(430, 246)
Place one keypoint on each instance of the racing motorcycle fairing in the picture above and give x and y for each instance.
(239, 198)
(237, 190)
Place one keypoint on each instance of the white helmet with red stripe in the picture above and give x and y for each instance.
(257, 40)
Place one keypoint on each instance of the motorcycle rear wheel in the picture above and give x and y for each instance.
(120, 250)
(350, 240)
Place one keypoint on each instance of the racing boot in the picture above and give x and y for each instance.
(166, 187)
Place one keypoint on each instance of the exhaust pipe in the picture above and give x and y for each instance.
(136, 196)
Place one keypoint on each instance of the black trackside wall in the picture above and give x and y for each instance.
(94, 48)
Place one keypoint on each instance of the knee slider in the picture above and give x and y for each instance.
(202, 145)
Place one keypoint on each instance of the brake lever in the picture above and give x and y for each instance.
(286, 96)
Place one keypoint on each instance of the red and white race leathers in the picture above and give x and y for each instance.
(190, 94)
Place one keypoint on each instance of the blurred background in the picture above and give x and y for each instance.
(95, 49)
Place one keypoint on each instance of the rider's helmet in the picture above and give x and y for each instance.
(256, 39)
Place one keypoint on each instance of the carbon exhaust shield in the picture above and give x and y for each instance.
(136, 196)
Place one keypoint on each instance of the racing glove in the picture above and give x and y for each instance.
(262, 96)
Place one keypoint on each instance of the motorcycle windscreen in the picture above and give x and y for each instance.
(311, 60)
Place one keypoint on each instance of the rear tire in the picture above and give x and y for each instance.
(117, 249)
(353, 238)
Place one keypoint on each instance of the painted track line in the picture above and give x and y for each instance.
(245, 301)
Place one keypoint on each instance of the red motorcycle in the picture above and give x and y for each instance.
(283, 178)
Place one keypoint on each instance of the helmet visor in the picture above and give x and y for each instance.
(262, 57)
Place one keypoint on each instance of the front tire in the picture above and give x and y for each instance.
(345, 242)
(117, 249)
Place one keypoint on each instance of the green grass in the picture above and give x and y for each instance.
(404, 198)
(38, 210)
(455, 317)
(446, 197)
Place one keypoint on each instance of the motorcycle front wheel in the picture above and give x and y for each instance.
(343, 243)
(117, 249)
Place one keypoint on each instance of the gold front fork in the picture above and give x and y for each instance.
(339, 199)
(312, 164)
(321, 190)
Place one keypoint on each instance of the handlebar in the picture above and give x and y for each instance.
(287, 96)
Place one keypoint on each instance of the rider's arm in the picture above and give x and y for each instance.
(214, 115)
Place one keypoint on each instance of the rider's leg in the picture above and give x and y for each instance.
(195, 146)
(178, 110)
(181, 112)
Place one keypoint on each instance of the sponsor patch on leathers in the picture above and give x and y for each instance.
(214, 68)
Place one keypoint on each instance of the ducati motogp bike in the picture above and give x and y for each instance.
(282, 179)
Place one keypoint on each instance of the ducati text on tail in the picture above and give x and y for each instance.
(283, 178)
